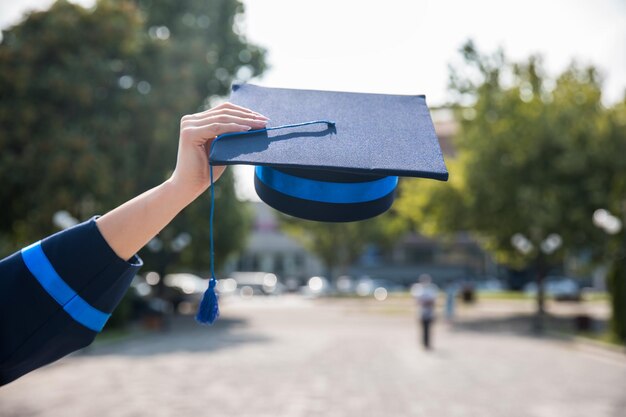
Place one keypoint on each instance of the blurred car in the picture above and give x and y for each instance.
(489, 285)
(316, 287)
(559, 288)
(368, 286)
(186, 283)
(292, 284)
(248, 284)
(181, 288)
(345, 285)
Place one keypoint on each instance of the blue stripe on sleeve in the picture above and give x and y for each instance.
(40, 267)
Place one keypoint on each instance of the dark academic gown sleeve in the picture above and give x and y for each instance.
(56, 295)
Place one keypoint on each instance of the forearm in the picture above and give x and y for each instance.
(130, 226)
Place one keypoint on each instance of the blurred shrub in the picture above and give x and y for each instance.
(617, 287)
(90, 103)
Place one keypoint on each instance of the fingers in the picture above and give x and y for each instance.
(224, 118)
(233, 107)
(235, 112)
(226, 108)
(210, 131)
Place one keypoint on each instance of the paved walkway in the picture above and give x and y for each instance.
(304, 358)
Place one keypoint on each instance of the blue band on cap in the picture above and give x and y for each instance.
(323, 191)
(80, 310)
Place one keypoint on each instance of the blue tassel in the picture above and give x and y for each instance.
(209, 310)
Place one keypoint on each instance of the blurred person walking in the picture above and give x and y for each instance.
(426, 296)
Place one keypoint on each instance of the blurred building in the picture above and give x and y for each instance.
(458, 258)
(270, 250)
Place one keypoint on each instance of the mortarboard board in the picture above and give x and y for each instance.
(332, 156)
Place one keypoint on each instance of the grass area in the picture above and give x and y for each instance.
(500, 295)
(597, 296)
(520, 295)
(504, 295)
(604, 337)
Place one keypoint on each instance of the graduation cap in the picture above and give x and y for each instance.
(327, 156)
(332, 156)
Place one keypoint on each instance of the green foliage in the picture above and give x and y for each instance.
(535, 156)
(90, 103)
(433, 207)
(61, 111)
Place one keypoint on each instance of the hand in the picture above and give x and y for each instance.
(197, 132)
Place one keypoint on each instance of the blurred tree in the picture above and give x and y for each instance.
(616, 255)
(431, 207)
(535, 157)
(90, 103)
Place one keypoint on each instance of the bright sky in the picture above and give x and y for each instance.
(405, 46)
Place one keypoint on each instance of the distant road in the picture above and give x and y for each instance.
(298, 357)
